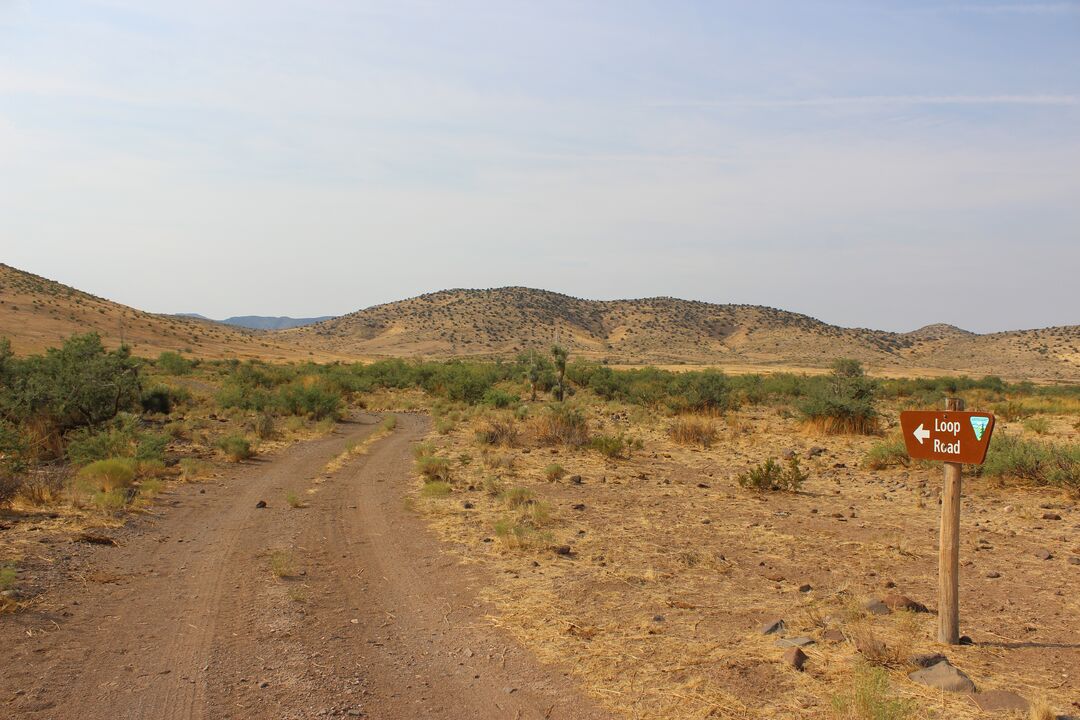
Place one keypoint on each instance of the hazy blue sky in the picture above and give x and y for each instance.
(884, 164)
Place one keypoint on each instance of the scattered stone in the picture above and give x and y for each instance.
(774, 577)
(575, 479)
(926, 660)
(801, 641)
(1051, 516)
(94, 539)
(467, 505)
(965, 640)
(1074, 560)
(703, 485)
(261, 504)
(993, 574)
(815, 451)
(876, 607)
(658, 618)
(563, 550)
(895, 601)
(839, 465)
(1043, 554)
(1001, 701)
(833, 635)
(1007, 509)
(773, 626)
(795, 657)
(944, 676)
(805, 588)
(787, 454)
(579, 506)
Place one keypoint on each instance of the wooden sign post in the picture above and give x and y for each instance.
(953, 437)
(949, 550)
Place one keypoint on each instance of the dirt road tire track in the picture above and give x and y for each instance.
(185, 620)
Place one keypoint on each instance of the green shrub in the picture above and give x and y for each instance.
(156, 400)
(887, 452)
(554, 472)
(107, 475)
(771, 475)
(445, 426)
(235, 447)
(389, 423)
(151, 446)
(8, 577)
(173, 363)
(78, 385)
(265, 426)
(845, 404)
(1012, 411)
(119, 439)
(500, 398)
(611, 446)
(1038, 462)
(516, 497)
(1039, 426)
(310, 400)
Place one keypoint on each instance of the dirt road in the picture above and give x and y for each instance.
(185, 619)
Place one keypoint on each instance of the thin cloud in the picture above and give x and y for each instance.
(1060, 8)
(871, 101)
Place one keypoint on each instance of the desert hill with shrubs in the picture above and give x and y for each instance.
(669, 331)
(37, 313)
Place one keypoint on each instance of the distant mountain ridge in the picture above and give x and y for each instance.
(261, 322)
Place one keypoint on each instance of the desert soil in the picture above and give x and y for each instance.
(185, 618)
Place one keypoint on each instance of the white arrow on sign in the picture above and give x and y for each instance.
(921, 433)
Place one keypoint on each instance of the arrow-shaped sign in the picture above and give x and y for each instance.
(921, 434)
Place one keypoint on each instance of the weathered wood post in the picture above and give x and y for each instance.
(949, 550)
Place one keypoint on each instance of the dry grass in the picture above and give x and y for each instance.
(498, 431)
(669, 534)
(843, 426)
(282, 564)
(693, 431)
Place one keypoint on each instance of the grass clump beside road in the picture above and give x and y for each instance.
(693, 431)
(1034, 461)
(872, 698)
(235, 448)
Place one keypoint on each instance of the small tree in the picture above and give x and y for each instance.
(559, 355)
(845, 403)
(533, 373)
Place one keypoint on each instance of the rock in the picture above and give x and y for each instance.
(1051, 516)
(805, 588)
(944, 677)
(774, 577)
(1001, 701)
(896, 601)
(833, 635)
(787, 454)
(993, 574)
(260, 504)
(965, 640)
(1074, 560)
(876, 607)
(579, 506)
(1043, 554)
(815, 451)
(575, 479)
(801, 641)
(658, 618)
(928, 659)
(703, 485)
(795, 657)
(563, 550)
(773, 626)
(467, 505)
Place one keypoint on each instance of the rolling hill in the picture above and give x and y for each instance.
(36, 313)
(261, 322)
(669, 331)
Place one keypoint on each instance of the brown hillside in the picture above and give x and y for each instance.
(667, 331)
(36, 313)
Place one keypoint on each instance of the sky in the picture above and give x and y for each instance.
(872, 164)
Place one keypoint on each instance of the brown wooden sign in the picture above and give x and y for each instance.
(949, 436)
